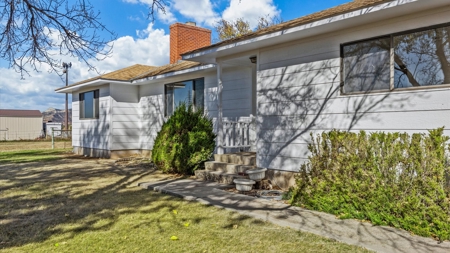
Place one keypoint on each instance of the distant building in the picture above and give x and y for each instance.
(20, 124)
(56, 126)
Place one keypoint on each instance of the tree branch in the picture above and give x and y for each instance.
(49, 29)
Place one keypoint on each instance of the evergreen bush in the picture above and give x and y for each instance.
(185, 141)
(390, 179)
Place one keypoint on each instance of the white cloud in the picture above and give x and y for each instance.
(37, 91)
(201, 11)
(250, 10)
(150, 48)
(33, 92)
(166, 17)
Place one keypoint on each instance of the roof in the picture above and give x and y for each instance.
(20, 113)
(334, 11)
(139, 72)
(181, 65)
(125, 74)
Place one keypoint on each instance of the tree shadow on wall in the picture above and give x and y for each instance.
(295, 101)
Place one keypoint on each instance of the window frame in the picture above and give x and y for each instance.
(95, 102)
(391, 63)
(194, 95)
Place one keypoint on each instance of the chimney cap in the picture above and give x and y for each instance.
(192, 23)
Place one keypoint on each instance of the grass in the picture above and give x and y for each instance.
(22, 145)
(77, 204)
(32, 155)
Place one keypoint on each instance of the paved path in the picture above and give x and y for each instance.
(376, 238)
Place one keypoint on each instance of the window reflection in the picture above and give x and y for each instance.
(422, 58)
(366, 66)
(190, 92)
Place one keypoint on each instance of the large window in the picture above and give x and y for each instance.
(190, 92)
(89, 105)
(411, 59)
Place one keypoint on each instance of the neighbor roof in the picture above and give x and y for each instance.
(338, 10)
(125, 74)
(19, 113)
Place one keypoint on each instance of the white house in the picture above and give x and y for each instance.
(374, 65)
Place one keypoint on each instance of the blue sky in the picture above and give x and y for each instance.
(128, 19)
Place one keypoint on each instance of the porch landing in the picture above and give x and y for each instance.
(376, 238)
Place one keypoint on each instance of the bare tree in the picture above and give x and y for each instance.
(268, 21)
(157, 5)
(233, 29)
(41, 31)
(33, 32)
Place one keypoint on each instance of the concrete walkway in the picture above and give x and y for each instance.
(376, 238)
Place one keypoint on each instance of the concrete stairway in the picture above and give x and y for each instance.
(227, 167)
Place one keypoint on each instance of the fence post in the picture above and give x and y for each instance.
(53, 138)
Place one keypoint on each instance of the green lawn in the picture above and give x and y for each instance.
(93, 205)
(32, 155)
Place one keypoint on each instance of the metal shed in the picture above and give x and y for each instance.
(20, 124)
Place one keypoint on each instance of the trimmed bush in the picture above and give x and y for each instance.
(387, 178)
(185, 141)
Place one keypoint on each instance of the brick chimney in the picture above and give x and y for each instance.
(185, 38)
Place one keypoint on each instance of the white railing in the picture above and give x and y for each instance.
(238, 132)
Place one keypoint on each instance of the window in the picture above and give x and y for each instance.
(366, 66)
(415, 59)
(89, 105)
(190, 92)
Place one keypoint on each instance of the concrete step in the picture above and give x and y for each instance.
(217, 176)
(227, 167)
(244, 158)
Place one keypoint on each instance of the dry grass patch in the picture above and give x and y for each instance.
(8, 146)
(93, 205)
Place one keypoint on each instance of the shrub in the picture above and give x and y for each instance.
(185, 141)
(387, 178)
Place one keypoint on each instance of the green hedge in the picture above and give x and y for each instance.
(390, 179)
(185, 142)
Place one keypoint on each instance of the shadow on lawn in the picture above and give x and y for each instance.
(67, 196)
(32, 156)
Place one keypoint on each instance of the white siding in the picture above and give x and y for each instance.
(152, 104)
(125, 122)
(152, 113)
(92, 133)
(298, 94)
(237, 99)
(236, 93)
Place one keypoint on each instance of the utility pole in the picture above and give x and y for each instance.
(66, 67)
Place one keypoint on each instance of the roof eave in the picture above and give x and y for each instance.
(322, 26)
(175, 73)
(70, 89)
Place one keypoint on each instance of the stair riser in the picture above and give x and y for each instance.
(226, 167)
(244, 159)
(216, 176)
